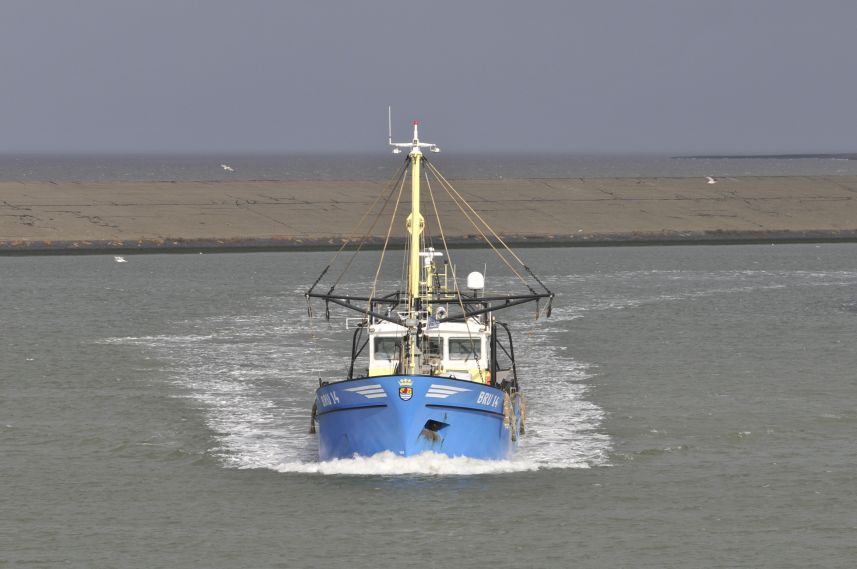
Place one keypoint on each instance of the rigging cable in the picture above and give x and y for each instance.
(455, 282)
(485, 223)
(387, 238)
(393, 180)
(449, 189)
(392, 185)
(366, 235)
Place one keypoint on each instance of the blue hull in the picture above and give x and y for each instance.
(411, 414)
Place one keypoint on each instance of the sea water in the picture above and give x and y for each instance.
(688, 407)
(381, 165)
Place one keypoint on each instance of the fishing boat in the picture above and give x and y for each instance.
(431, 367)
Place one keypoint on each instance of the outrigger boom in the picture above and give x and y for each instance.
(415, 251)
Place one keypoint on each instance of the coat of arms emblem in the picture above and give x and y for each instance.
(406, 390)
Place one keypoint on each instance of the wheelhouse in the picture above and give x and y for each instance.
(453, 349)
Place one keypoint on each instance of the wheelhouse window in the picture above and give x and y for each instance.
(433, 347)
(465, 348)
(386, 348)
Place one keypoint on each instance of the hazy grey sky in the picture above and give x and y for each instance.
(675, 76)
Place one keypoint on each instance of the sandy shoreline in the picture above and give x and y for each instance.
(56, 217)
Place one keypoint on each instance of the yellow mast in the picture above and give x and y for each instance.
(415, 226)
(415, 231)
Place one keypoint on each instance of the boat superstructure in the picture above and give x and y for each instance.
(431, 368)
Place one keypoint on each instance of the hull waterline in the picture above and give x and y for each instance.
(411, 414)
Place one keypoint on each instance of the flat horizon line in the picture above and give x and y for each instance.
(368, 154)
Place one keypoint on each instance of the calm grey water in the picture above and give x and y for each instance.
(690, 407)
(381, 165)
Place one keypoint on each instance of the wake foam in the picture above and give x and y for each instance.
(253, 378)
(426, 464)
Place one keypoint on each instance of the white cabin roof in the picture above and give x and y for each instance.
(390, 329)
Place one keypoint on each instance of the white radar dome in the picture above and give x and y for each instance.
(475, 281)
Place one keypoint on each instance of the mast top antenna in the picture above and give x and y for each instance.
(414, 145)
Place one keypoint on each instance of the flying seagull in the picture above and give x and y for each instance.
(227, 167)
(711, 180)
(119, 259)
